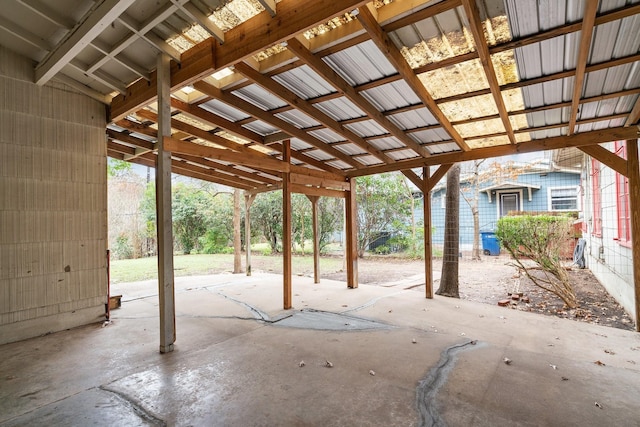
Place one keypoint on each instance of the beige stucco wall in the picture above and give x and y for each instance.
(52, 205)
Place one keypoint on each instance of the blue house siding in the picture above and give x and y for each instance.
(489, 210)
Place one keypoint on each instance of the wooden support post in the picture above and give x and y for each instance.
(248, 200)
(428, 254)
(351, 214)
(316, 238)
(237, 242)
(164, 220)
(633, 173)
(286, 226)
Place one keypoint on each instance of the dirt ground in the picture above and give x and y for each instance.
(491, 280)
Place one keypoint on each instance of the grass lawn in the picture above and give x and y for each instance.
(133, 270)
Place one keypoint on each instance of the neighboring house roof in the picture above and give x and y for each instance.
(509, 185)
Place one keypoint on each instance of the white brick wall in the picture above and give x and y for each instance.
(52, 204)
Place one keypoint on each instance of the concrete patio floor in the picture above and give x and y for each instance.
(238, 355)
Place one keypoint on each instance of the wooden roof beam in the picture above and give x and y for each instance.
(241, 42)
(267, 117)
(203, 134)
(606, 157)
(575, 140)
(473, 14)
(293, 100)
(333, 78)
(586, 34)
(201, 114)
(386, 46)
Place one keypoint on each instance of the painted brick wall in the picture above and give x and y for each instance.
(53, 222)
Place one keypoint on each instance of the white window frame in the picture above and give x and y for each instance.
(565, 187)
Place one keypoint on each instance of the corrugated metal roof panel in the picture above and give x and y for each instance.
(327, 135)
(431, 135)
(443, 148)
(350, 149)
(298, 119)
(360, 64)
(391, 96)
(366, 128)
(260, 127)
(298, 144)
(224, 110)
(402, 154)
(340, 109)
(413, 119)
(259, 97)
(319, 155)
(386, 143)
(369, 160)
(340, 164)
(304, 82)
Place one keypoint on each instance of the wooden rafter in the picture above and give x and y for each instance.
(241, 42)
(267, 117)
(216, 121)
(386, 45)
(200, 133)
(293, 100)
(576, 140)
(588, 22)
(333, 78)
(606, 157)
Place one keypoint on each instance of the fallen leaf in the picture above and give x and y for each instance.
(372, 373)
(553, 366)
(565, 379)
(507, 361)
(611, 352)
(328, 364)
(599, 363)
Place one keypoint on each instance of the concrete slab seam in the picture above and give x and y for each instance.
(137, 407)
(428, 388)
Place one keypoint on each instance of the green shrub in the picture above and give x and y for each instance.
(539, 238)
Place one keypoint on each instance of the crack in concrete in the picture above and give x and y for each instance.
(371, 302)
(137, 407)
(257, 313)
(428, 387)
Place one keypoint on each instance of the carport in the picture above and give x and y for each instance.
(286, 95)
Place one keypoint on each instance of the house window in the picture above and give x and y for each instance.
(622, 198)
(563, 199)
(596, 197)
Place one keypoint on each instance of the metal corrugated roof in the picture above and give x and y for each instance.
(224, 110)
(391, 96)
(610, 40)
(304, 82)
(445, 106)
(340, 109)
(360, 64)
(259, 97)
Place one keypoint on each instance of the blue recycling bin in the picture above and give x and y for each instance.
(490, 243)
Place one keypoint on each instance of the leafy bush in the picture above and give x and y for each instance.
(123, 248)
(539, 238)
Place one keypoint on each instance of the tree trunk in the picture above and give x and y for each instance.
(450, 257)
(475, 251)
(237, 241)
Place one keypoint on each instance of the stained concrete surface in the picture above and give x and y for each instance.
(237, 362)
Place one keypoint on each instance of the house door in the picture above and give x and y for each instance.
(509, 202)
